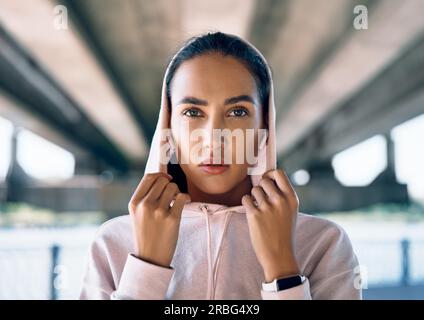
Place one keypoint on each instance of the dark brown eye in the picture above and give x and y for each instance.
(192, 112)
(240, 112)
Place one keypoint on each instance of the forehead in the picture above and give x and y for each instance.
(212, 75)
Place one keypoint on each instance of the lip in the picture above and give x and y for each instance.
(214, 169)
(211, 161)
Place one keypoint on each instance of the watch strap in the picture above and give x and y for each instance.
(283, 283)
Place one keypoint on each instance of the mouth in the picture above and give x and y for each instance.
(214, 168)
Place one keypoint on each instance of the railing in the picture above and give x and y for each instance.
(53, 272)
(56, 272)
(406, 276)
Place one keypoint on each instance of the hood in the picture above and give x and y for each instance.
(160, 145)
(161, 149)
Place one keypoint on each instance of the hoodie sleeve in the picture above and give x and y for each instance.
(98, 281)
(335, 274)
(103, 279)
(141, 280)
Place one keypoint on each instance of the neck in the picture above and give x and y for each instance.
(230, 198)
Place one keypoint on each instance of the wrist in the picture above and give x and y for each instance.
(283, 283)
(281, 269)
(166, 263)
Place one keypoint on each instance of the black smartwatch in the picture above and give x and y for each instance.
(283, 283)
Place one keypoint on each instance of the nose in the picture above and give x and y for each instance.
(214, 139)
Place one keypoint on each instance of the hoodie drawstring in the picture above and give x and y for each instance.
(213, 267)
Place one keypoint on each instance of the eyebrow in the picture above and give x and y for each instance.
(232, 100)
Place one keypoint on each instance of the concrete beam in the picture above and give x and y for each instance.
(269, 19)
(67, 59)
(29, 83)
(13, 110)
(393, 97)
(384, 189)
(338, 198)
(308, 32)
(135, 39)
(393, 26)
(97, 22)
(81, 194)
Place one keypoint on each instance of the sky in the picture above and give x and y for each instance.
(356, 166)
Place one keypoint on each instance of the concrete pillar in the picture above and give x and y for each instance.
(322, 172)
(325, 193)
(87, 165)
(16, 179)
(388, 176)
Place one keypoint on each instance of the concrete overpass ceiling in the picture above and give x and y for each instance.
(318, 59)
(137, 38)
(227, 16)
(133, 39)
(312, 30)
(393, 97)
(394, 26)
(22, 77)
(73, 66)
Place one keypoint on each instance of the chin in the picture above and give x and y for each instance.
(217, 189)
(217, 185)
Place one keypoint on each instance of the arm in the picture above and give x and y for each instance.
(272, 224)
(301, 292)
(143, 281)
(335, 275)
(139, 279)
(146, 273)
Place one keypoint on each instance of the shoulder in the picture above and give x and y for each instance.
(327, 259)
(322, 240)
(107, 255)
(114, 238)
(319, 225)
(114, 228)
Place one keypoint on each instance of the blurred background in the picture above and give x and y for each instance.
(80, 88)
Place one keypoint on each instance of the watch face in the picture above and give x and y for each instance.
(283, 283)
(287, 283)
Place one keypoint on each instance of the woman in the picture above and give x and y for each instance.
(218, 230)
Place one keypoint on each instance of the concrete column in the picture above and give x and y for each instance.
(322, 172)
(16, 178)
(388, 176)
(87, 165)
(325, 193)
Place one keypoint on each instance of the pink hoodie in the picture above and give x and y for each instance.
(214, 257)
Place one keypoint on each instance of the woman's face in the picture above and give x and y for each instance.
(212, 92)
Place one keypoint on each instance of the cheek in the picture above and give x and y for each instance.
(179, 129)
(245, 146)
(181, 133)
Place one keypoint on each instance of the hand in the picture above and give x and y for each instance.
(272, 224)
(155, 223)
